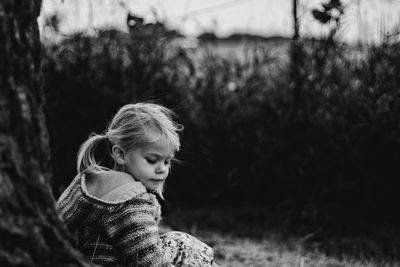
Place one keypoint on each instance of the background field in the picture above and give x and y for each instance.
(293, 145)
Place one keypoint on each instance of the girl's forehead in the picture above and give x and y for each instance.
(161, 146)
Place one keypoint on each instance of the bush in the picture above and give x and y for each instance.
(318, 135)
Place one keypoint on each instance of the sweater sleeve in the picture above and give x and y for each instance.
(133, 229)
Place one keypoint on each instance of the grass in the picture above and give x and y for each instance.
(231, 250)
(254, 245)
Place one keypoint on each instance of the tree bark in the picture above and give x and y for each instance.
(31, 232)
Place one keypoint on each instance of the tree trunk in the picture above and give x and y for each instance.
(295, 20)
(31, 233)
(296, 54)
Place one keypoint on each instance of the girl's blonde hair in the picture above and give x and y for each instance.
(134, 124)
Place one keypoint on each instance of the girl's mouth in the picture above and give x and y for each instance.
(156, 180)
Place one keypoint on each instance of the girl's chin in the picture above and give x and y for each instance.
(153, 187)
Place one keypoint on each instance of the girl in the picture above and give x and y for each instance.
(113, 215)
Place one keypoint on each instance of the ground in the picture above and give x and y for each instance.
(236, 248)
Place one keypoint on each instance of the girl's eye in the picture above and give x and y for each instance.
(168, 162)
(151, 161)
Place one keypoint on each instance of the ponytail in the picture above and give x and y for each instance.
(86, 160)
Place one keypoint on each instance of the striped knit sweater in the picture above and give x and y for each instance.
(123, 233)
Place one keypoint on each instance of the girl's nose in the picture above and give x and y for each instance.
(162, 168)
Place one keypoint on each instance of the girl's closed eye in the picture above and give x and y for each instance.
(151, 160)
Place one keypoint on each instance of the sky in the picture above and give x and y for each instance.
(364, 20)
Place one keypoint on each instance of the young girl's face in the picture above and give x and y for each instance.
(150, 163)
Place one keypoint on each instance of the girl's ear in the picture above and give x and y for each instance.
(118, 154)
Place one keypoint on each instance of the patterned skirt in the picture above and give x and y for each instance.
(183, 250)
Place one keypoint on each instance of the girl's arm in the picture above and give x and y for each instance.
(133, 230)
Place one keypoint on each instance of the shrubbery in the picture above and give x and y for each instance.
(319, 136)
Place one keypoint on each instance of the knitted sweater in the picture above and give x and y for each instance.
(123, 233)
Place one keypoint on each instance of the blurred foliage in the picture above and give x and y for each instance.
(330, 13)
(318, 136)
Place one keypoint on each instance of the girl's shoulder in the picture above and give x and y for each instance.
(113, 186)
